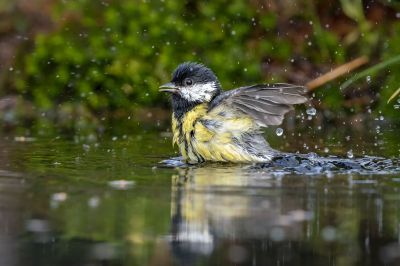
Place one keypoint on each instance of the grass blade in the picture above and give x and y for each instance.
(397, 92)
(370, 71)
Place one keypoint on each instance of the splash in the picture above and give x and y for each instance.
(312, 163)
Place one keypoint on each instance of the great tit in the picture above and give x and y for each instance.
(209, 124)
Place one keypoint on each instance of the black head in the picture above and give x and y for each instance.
(190, 73)
(192, 84)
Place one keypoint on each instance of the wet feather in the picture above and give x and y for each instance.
(266, 103)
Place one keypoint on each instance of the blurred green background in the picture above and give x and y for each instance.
(80, 62)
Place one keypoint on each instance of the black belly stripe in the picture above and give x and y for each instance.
(182, 136)
(192, 138)
(188, 138)
(223, 158)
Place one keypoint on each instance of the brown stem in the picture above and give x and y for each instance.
(337, 72)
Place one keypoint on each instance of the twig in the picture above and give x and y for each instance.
(337, 72)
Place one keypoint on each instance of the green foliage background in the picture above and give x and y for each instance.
(108, 55)
(117, 54)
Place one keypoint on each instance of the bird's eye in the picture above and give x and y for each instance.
(188, 82)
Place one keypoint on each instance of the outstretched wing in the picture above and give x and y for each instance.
(265, 103)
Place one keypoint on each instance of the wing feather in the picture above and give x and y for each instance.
(262, 118)
(266, 103)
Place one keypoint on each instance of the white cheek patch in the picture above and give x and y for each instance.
(199, 92)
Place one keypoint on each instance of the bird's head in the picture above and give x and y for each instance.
(191, 84)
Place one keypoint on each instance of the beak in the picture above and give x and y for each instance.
(169, 87)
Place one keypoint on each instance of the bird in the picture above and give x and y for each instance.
(213, 125)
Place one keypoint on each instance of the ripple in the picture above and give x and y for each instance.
(121, 184)
(366, 181)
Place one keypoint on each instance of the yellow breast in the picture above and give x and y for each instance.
(212, 136)
(184, 129)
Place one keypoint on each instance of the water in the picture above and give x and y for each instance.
(311, 111)
(66, 200)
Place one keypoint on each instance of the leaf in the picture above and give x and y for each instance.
(353, 9)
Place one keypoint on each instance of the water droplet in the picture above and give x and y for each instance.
(326, 150)
(93, 202)
(86, 147)
(312, 155)
(311, 111)
(398, 100)
(61, 196)
(279, 131)
(368, 79)
(350, 154)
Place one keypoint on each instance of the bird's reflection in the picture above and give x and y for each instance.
(218, 203)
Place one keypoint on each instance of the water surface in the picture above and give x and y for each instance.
(89, 200)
